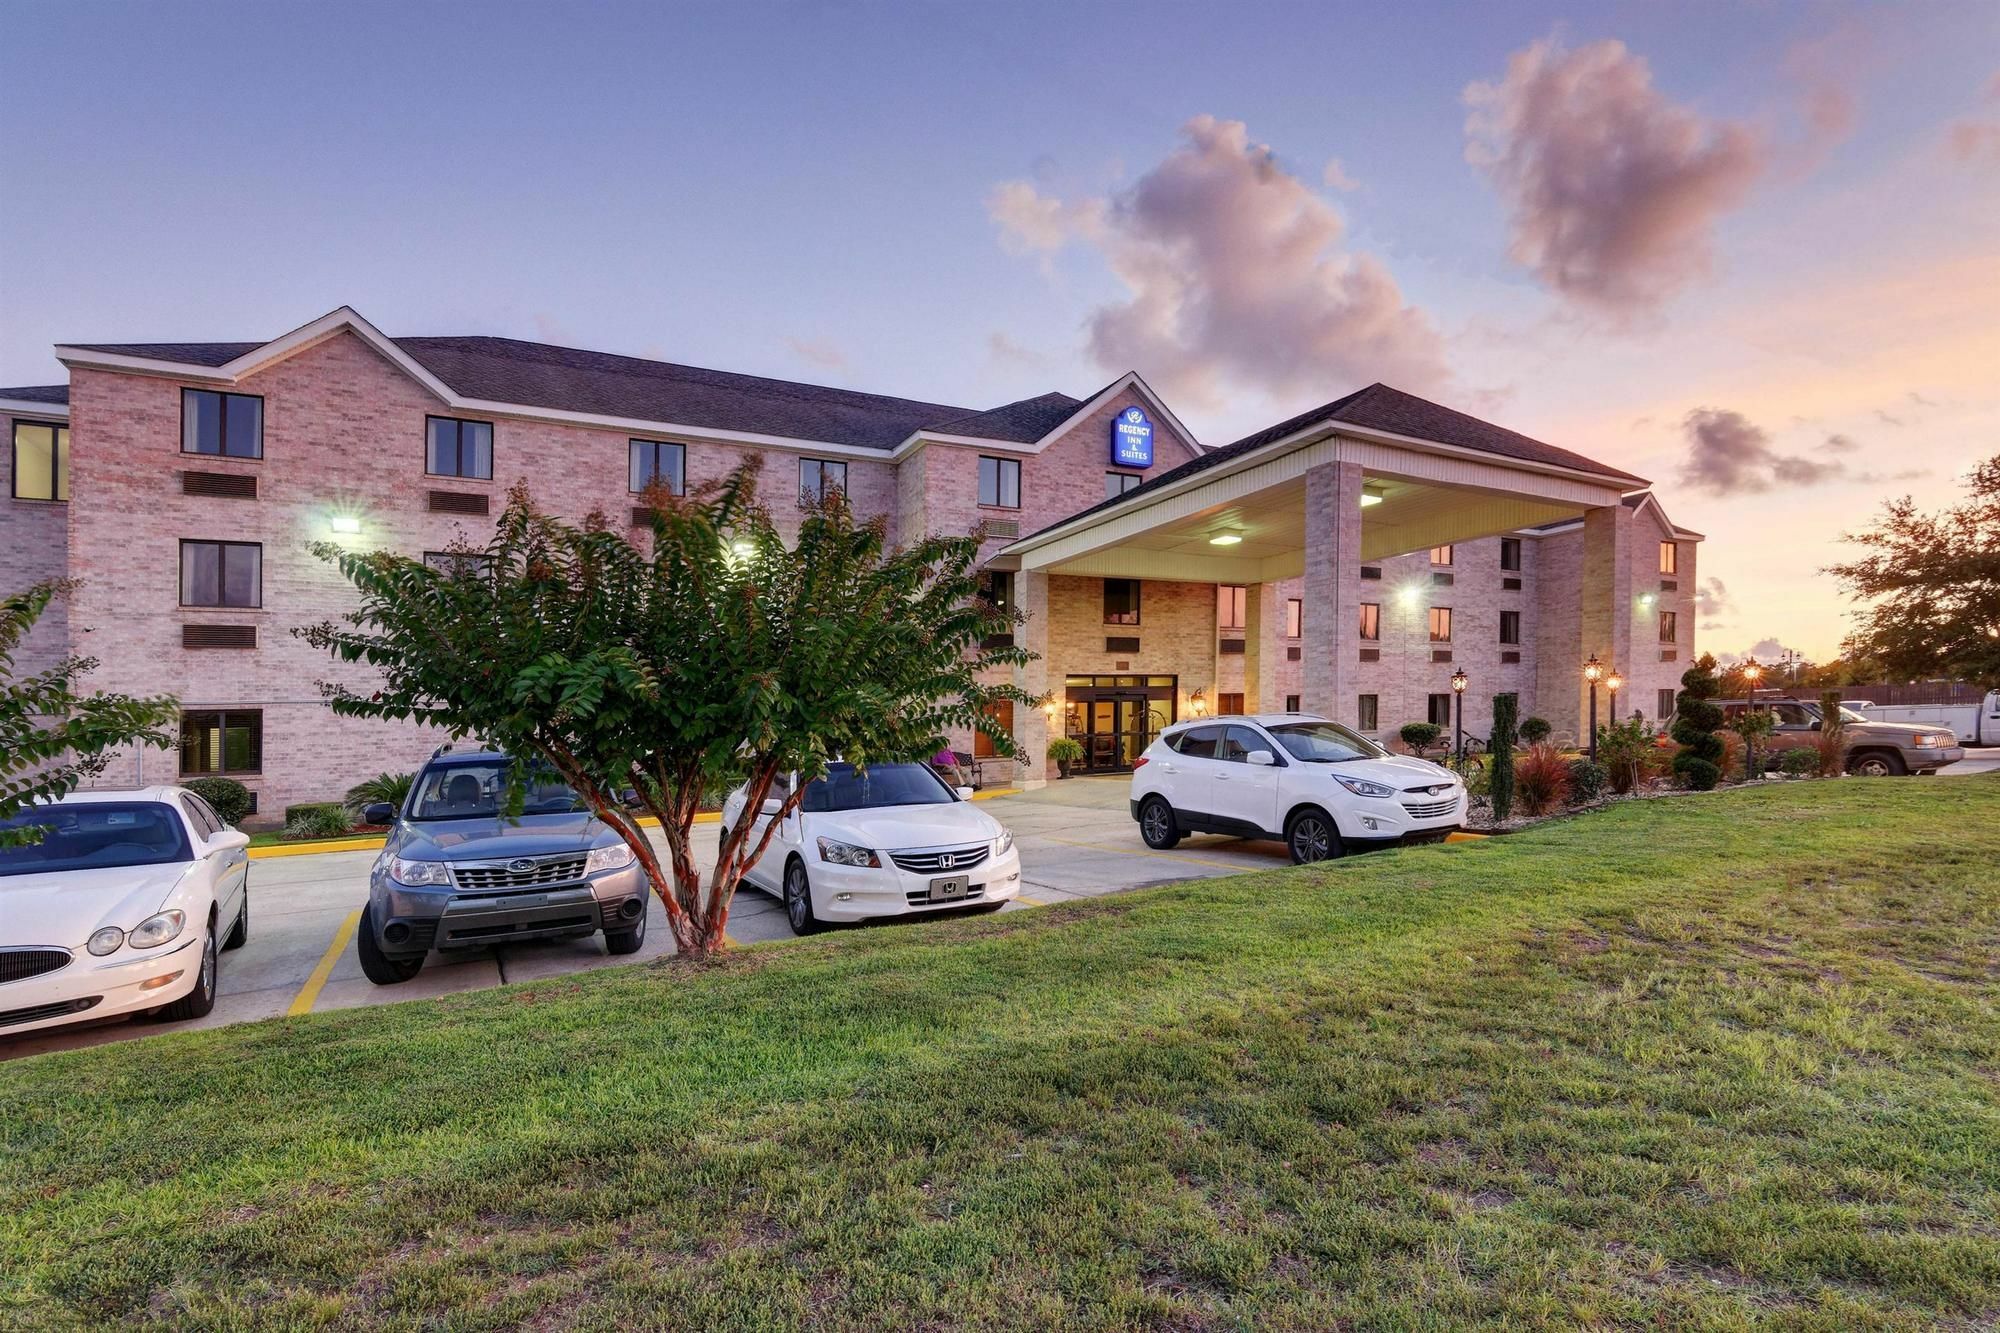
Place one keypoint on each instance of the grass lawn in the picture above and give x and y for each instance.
(1700, 1062)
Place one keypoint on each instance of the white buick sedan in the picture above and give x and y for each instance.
(119, 908)
(891, 841)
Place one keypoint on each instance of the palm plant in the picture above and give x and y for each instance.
(389, 788)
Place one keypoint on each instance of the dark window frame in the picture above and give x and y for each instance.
(1510, 546)
(1432, 623)
(58, 460)
(1295, 617)
(263, 420)
(1437, 705)
(1669, 626)
(1510, 619)
(1001, 468)
(1242, 598)
(635, 443)
(817, 491)
(1119, 483)
(223, 716)
(1366, 622)
(1670, 558)
(1368, 712)
(220, 578)
(1449, 556)
(1131, 617)
(458, 447)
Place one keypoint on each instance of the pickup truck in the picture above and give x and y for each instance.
(1869, 749)
(1975, 723)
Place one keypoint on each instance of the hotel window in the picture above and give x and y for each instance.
(1440, 624)
(1000, 482)
(1440, 710)
(1440, 555)
(1121, 601)
(1291, 703)
(41, 461)
(459, 564)
(1510, 554)
(1510, 627)
(1117, 483)
(222, 574)
(457, 448)
(818, 477)
(1230, 604)
(996, 588)
(1667, 627)
(1002, 713)
(1665, 704)
(1670, 557)
(1371, 621)
(1367, 712)
(655, 460)
(219, 742)
(229, 425)
(1295, 618)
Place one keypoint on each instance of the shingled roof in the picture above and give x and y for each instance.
(1023, 422)
(53, 394)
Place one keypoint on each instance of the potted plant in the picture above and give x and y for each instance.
(1065, 752)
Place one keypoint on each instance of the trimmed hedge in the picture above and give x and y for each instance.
(229, 798)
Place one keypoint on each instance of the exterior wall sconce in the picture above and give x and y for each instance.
(347, 525)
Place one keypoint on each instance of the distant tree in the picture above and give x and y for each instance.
(721, 653)
(52, 737)
(1500, 781)
(1535, 730)
(1696, 720)
(1932, 582)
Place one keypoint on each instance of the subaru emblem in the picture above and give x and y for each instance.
(521, 866)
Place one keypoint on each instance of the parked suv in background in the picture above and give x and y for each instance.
(1868, 749)
(458, 874)
(1313, 784)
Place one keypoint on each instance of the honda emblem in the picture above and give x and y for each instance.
(946, 861)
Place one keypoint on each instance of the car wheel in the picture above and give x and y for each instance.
(799, 901)
(1876, 765)
(377, 966)
(198, 1002)
(1310, 836)
(628, 941)
(240, 932)
(1156, 824)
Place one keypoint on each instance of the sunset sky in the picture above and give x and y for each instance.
(1751, 252)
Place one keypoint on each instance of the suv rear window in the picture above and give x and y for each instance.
(1197, 742)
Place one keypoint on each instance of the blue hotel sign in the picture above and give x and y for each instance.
(1131, 439)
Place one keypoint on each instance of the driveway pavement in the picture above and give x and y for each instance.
(1975, 761)
(1075, 838)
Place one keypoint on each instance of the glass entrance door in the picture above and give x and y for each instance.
(1115, 730)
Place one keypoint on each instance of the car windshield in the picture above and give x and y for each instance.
(96, 835)
(1324, 742)
(478, 790)
(846, 787)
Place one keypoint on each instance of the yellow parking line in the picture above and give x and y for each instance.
(302, 1003)
(1141, 851)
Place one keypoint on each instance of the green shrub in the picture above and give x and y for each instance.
(1799, 761)
(1535, 730)
(1065, 751)
(316, 819)
(393, 788)
(1696, 720)
(1587, 781)
(1623, 749)
(1500, 783)
(229, 798)
(1418, 735)
(1698, 774)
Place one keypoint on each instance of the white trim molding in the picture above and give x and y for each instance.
(28, 407)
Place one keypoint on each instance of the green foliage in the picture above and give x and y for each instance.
(389, 788)
(1420, 735)
(1624, 749)
(1931, 588)
(1587, 780)
(1064, 750)
(1541, 778)
(52, 737)
(709, 651)
(1535, 730)
(1696, 720)
(1500, 784)
(316, 819)
(1799, 761)
(229, 798)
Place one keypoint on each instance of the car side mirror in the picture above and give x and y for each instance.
(963, 793)
(772, 805)
(229, 840)
(1261, 758)
(378, 812)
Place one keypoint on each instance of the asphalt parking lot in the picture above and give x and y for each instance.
(1075, 838)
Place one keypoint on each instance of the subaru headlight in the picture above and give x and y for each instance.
(1363, 787)
(1004, 843)
(420, 874)
(106, 941)
(846, 854)
(157, 930)
(615, 857)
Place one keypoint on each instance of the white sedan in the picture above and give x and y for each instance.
(893, 840)
(119, 908)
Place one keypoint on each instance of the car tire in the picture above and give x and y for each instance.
(1877, 764)
(798, 900)
(240, 932)
(628, 941)
(1311, 835)
(1157, 825)
(377, 966)
(200, 1001)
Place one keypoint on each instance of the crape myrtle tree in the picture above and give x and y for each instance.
(712, 653)
(51, 736)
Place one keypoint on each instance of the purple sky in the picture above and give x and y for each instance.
(1752, 252)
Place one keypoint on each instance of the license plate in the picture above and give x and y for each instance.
(943, 890)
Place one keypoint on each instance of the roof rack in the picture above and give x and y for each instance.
(461, 746)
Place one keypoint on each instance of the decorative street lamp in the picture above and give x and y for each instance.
(1752, 673)
(1614, 682)
(1458, 726)
(1593, 671)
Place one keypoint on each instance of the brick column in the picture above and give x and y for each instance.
(1263, 648)
(1604, 596)
(1031, 724)
(1332, 575)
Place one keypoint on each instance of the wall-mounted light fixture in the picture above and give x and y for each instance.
(345, 524)
(1370, 495)
(1225, 539)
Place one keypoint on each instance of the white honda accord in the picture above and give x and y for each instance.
(891, 840)
(119, 908)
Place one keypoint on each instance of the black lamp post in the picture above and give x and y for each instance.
(1458, 724)
(1593, 671)
(1614, 682)
(1752, 673)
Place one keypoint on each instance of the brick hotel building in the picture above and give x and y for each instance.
(1346, 561)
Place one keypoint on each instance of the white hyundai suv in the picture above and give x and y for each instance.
(1314, 785)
